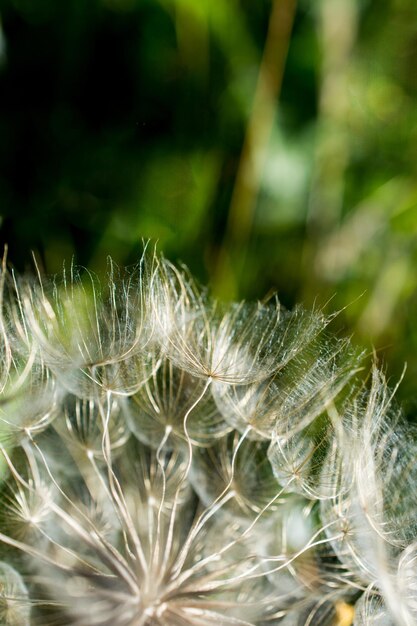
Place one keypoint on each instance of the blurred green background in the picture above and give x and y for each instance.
(268, 144)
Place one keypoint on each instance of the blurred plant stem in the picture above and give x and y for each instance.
(231, 256)
(337, 25)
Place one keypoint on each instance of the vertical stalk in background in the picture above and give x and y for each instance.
(337, 29)
(231, 256)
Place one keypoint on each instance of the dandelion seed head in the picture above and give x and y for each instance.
(175, 461)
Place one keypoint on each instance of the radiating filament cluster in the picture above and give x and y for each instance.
(170, 460)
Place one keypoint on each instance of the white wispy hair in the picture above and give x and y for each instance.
(372, 496)
(234, 344)
(14, 599)
(170, 460)
(91, 336)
